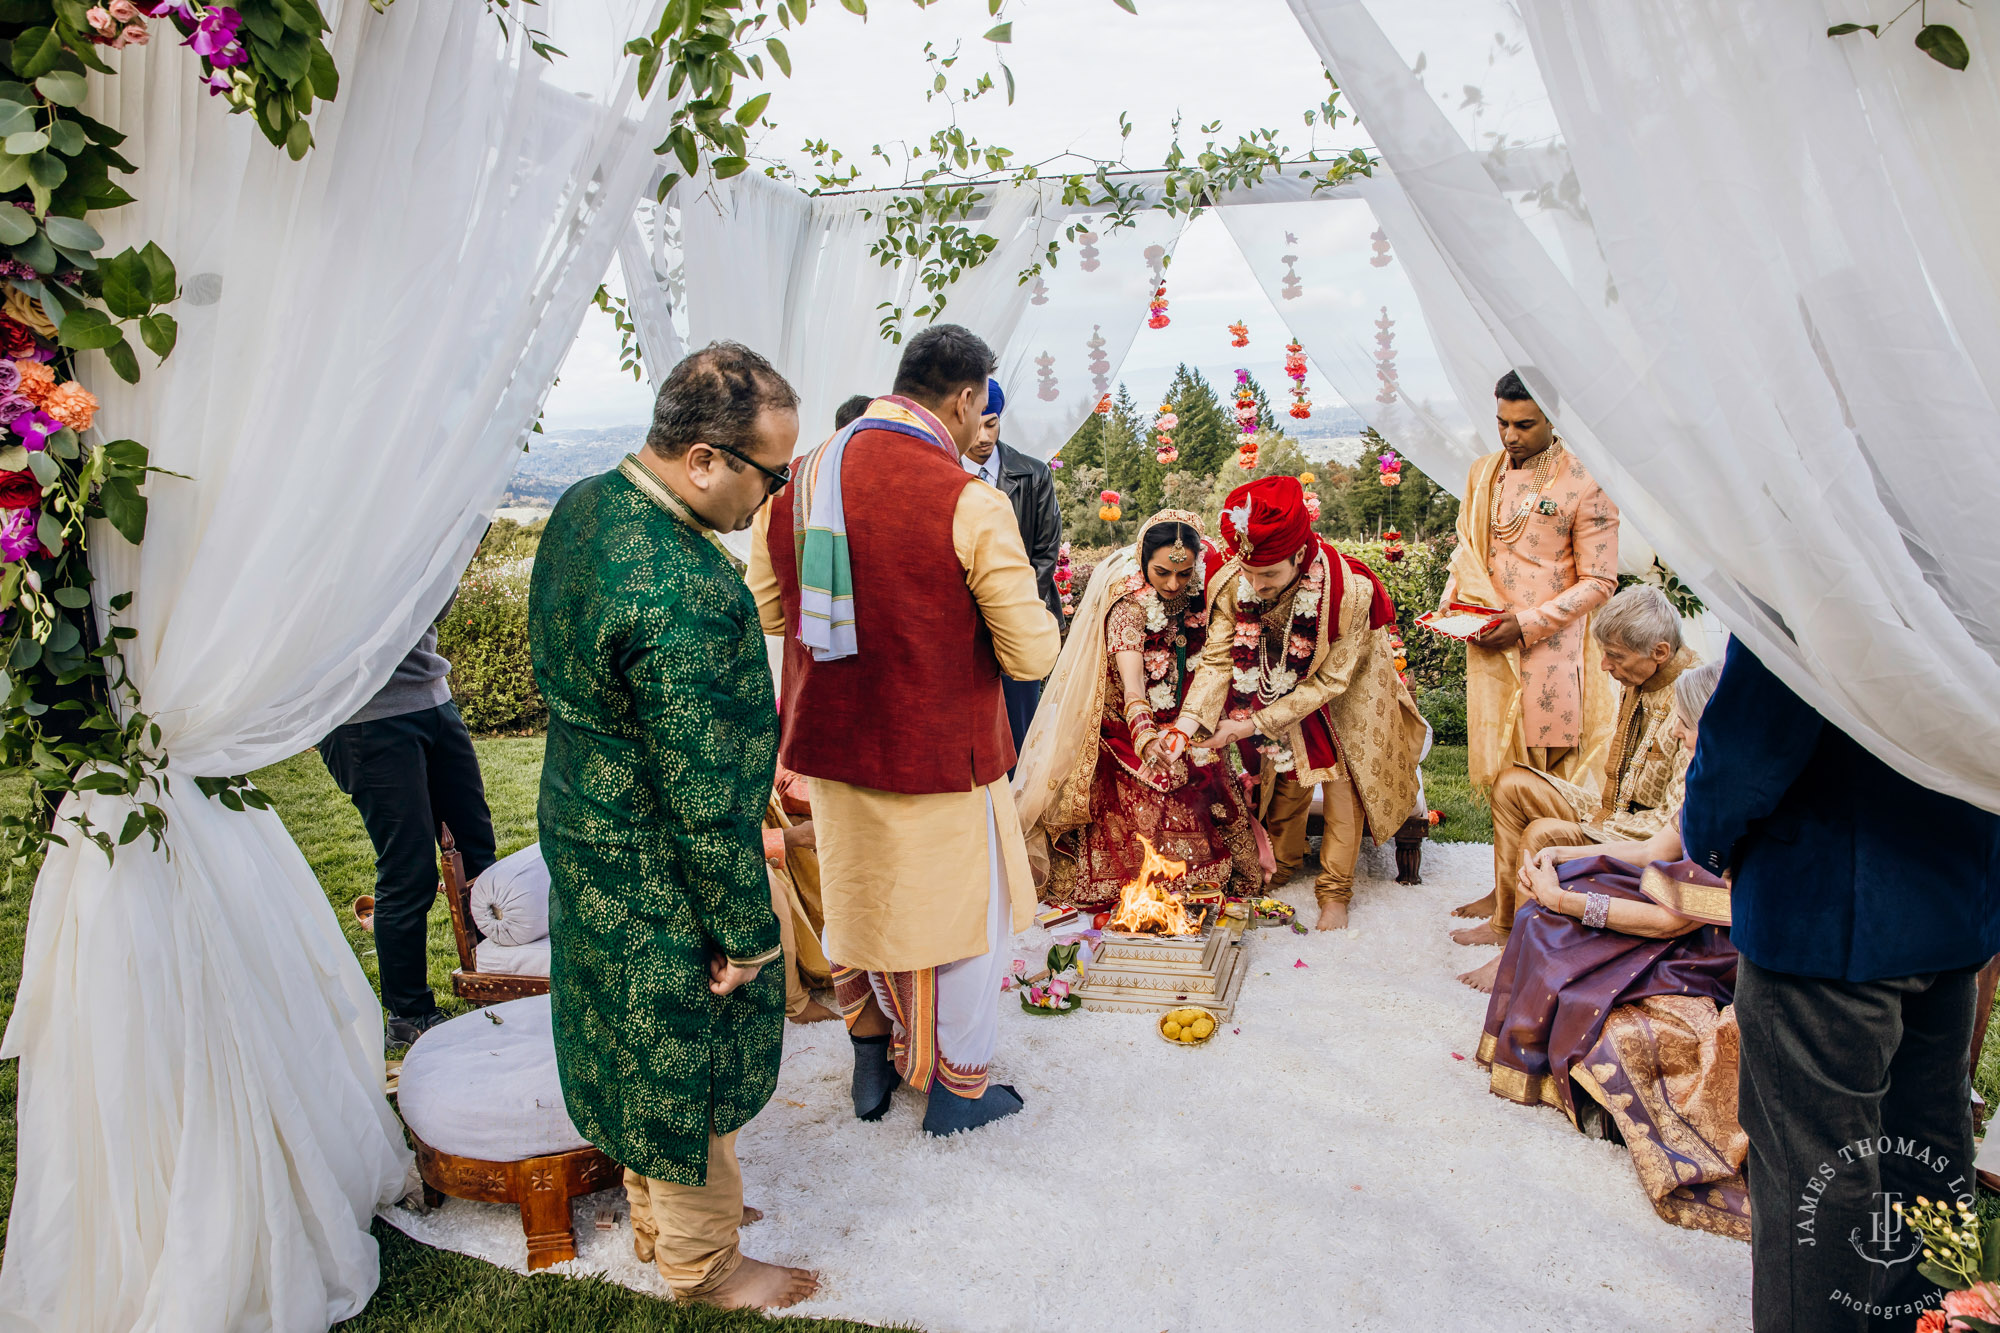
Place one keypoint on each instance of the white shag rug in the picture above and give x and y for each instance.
(1331, 1160)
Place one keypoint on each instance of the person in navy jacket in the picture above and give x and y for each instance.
(1864, 906)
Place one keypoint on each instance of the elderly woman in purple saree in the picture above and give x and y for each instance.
(1616, 985)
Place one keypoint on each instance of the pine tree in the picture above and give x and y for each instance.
(1267, 422)
(1206, 435)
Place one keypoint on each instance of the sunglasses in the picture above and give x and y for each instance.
(778, 479)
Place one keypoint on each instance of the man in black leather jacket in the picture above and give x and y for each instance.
(1031, 488)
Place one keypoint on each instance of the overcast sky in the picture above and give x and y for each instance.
(1077, 65)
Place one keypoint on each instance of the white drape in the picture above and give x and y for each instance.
(1785, 371)
(790, 275)
(365, 338)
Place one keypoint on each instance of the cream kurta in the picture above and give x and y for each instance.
(1375, 722)
(904, 878)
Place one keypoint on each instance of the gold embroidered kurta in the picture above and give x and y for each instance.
(1547, 692)
(903, 878)
(1646, 767)
(1378, 733)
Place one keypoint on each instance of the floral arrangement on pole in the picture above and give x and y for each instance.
(1392, 545)
(1163, 427)
(1052, 991)
(1295, 368)
(1392, 468)
(1108, 508)
(1064, 578)
(1962, 1255)
(69, 717)
(1240, 334)
(1158, 318)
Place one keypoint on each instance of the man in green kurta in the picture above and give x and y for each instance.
(662, 744)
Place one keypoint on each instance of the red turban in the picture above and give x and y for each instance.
(1265, 521)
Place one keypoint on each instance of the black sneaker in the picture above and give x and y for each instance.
(405, 1031)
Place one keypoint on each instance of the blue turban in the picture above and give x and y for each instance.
(995, 400)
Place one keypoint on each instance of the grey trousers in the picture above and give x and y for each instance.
(1855, 1095)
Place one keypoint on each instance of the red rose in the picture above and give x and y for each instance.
(18, 490)
(15, 339)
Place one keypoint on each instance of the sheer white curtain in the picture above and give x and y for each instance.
(365, 338)
(1785, 368)
(791, 276)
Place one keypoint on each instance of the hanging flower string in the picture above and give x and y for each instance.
(1163, 427)
(1158, 319)
(1246, 420)
(1295, 367)
(1306, 479)
(1392, 545)
(1108, 509)
(1392, 468)
(1104, 406)
(1065, 577)
(1241, 334)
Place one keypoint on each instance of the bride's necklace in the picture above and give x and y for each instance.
(1538, 482)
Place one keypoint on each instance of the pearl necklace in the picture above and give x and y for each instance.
(1538, 483)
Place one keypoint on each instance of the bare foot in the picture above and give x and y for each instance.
(1332, 916)
(815, 1012)
(1483, 907)
(751, 1215)
(761, 1286)
(1481, 978)
(1483, 933)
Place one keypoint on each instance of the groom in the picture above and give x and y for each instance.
(1297, 657)
(903, 592)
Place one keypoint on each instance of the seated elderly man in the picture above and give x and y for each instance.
(1640, 636)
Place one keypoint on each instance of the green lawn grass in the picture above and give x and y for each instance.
(1467, 817)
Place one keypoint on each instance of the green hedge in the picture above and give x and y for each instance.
(485, 637)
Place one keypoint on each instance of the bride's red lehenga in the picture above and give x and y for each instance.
(1192, 811)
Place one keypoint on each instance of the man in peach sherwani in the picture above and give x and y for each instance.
(1537, 540)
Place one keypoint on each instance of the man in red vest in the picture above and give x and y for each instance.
(903, 592)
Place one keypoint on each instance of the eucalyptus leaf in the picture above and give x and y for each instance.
(47, 170)
(67, 137)
(15, 118)
(45, 468)
(48, 531)
(73, 233)
(62, 86)
(13, 172)
(65, 636)
(39, 255)
(63, 444)
(82, 259)
(23, 142)
(73, 598)
(26, 653)
(13, 458)
(15, 226)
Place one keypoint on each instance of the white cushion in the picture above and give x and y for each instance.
(514, 960)
(510, 902)
(488, 1090)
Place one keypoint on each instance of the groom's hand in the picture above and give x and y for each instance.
(724, 976)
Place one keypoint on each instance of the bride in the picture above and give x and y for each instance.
(1092, 777)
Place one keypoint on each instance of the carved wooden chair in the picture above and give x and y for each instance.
(467, 981)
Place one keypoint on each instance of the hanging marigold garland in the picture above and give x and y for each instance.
(1241, 332)
(1392, 545)
(1392, 468)
(1064, 578)
(1163, 426)
(1159, 318)
(1295, 367)
(1108, 510)
(1104, 406)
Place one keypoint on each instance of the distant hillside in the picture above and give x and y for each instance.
(558, 460)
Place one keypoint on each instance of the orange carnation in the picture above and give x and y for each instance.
(71, 404)
(37, 381)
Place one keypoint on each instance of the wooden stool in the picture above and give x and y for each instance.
(483, 1102)
(467, 981)
(541, 1187)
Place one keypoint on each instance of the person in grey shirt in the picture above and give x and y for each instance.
(407, 762)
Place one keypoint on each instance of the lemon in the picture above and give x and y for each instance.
(1203, 1026)
(1187, 1036)
(1172, 1029)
